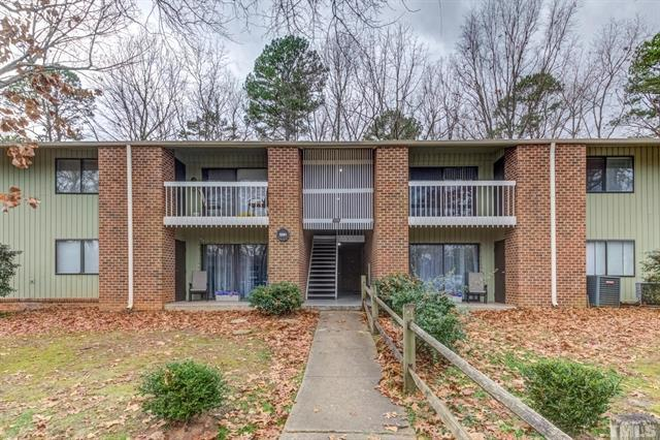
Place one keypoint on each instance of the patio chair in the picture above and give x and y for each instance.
(199, 285)
(476, 288)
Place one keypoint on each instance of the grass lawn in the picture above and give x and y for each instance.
(499, 343)
(73, 373)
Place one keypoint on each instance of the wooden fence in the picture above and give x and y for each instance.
(372, 305)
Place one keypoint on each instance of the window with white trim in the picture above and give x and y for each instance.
(74, 257)
(611, 257)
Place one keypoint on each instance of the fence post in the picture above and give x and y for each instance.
(374, 309)
(408, 348)
(363, 284)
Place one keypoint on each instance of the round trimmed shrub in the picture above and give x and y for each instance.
(277, 298)
(573, 396)
(181, 390)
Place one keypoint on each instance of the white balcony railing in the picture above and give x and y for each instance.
(338, 209)
(216, 204)
(462, 203)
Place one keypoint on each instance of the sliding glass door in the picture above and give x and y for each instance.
(444, 266)
(235, 268)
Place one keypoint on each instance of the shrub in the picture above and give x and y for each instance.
(651, 269)
(396, 288)
(571, 395)
(437, 315)
(434, 312)
(276, 299)
(181, 390)
(7, 269)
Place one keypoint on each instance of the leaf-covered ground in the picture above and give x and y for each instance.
(73, 373)
(626, 340)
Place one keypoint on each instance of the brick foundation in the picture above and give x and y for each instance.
(287, 261)
(153, 244)
(389, 244)
(527, 245)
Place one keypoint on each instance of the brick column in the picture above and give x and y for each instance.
(527, 245)
(153, 243)
(389, 247)
(571, 214)
(286, 260)
(113, 247)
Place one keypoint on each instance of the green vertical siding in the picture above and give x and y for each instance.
(629, 216)
(196, 159)
(422, 157)
(34, 231)
(484, 237)
(196, 237)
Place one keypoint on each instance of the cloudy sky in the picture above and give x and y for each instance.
(437, 24)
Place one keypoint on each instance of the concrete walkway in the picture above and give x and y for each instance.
(338, 397)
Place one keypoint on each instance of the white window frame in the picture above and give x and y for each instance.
(81, 255)
(605, 257)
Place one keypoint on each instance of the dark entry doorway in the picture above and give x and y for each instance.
(500, 272)
(180, 270)
(350, 269)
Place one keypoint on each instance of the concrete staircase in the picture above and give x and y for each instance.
(322, 276)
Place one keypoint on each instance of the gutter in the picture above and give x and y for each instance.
(553, 225)
(474, 143)
(129, 221)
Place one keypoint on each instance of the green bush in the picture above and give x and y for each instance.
(437, 315)
(573, 396)
(434, 312)
(181, 390)
(651, 269)
(7, 269)
(276, 299)
(401, 286)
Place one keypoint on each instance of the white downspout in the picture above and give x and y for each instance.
(553, 226)
(129, 221)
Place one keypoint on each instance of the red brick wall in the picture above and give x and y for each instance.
(571, 214)
(286, 260)
(113, 247)
(153, 244)
(389, 247)
(527, 246)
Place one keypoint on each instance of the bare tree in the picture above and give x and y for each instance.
(141, 99)
(439, 103)
(502, 45)
(214, 100)
(605, 76)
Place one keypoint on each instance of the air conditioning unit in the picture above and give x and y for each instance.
(604, 291)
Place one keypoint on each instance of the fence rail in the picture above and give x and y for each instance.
(411, 379)
(462, 203)
(216, 203)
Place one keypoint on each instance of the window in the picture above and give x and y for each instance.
(610, 174)
(614, 258)
(444, 263)
(235, 199)
(235, 267)
(444, 173)
(77, 176)
(76, 257)
(448, 201)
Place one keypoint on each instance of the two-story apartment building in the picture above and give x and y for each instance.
(127, 225)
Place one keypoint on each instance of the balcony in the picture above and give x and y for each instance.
(216, 204)
(462, 203)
